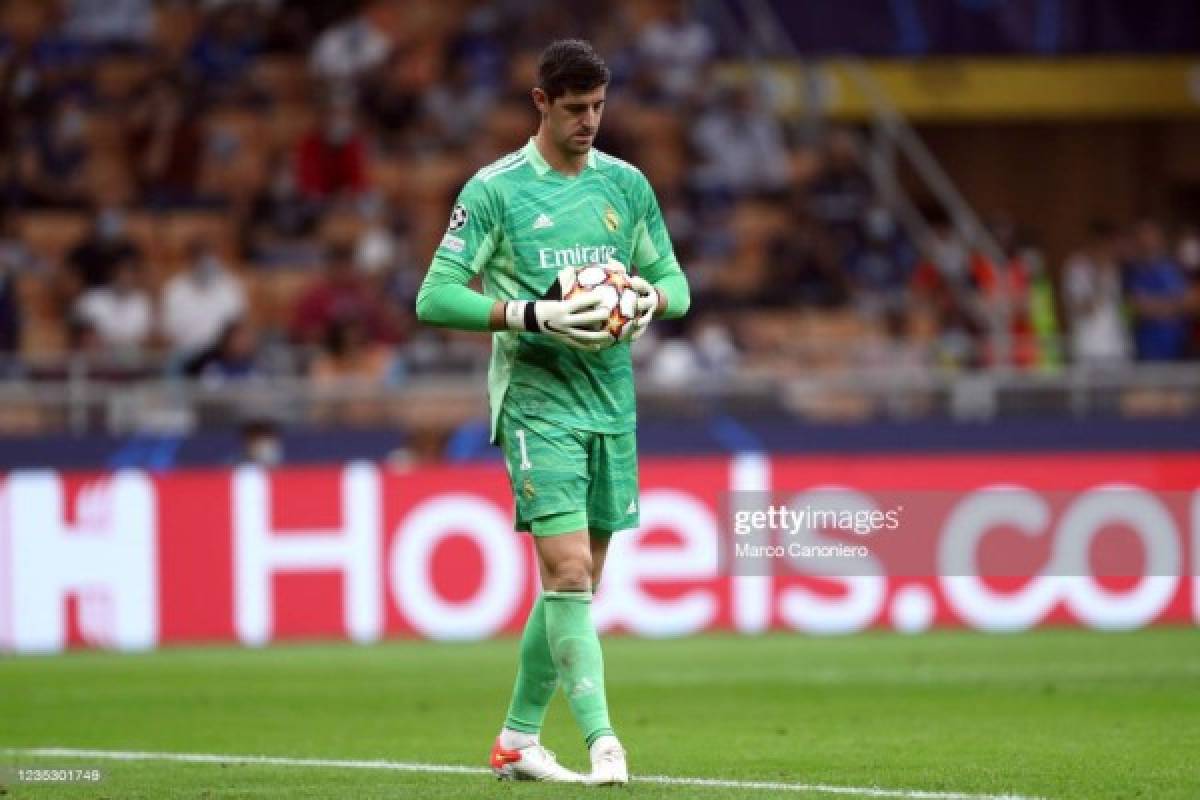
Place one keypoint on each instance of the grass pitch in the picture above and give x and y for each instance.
(1052, 714)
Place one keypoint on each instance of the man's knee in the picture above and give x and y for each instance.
(570, 573)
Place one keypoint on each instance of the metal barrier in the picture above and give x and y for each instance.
(83, 404)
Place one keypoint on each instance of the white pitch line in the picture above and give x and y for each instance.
(409, 766)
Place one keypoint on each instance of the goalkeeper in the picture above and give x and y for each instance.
(561, 393)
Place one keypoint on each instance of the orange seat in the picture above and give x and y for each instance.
(180, 229)
(117, 77)
(43, 329)
(274, 295)
(51, 234)
(284, 78)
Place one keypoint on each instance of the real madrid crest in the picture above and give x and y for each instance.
(611, 220)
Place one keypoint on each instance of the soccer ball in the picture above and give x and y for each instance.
(611, 282)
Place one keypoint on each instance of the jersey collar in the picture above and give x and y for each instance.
(540, 165)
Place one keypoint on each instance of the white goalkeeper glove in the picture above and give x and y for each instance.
(576, 321)
(648, 303)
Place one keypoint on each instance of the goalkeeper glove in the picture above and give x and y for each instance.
(648, 303)
(575, 321)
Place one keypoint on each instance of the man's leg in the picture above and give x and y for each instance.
(536, 681)
(566, 565)
(547, 470)
(612, 505)
(599, 543)
(537, 677)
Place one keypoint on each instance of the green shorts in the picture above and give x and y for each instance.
(565, 480)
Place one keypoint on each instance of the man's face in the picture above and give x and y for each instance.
(573, 118)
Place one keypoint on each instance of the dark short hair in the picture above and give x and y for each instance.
(570, 65)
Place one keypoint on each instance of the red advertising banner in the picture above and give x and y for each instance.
(132, 560)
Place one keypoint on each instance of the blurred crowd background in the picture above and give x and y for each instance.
(236, 190)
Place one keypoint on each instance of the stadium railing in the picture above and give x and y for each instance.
(81, 402)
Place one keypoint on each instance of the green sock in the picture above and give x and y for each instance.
(576, 650)
(536, 676)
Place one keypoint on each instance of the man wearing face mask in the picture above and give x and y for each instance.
(199, 302)
(331, 159)
(92, 262)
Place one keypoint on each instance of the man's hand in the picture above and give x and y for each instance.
(575, 321)
(650, 300)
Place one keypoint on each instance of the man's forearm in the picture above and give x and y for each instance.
(452, 305)
(674, 295)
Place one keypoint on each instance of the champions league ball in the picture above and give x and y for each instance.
(611, 283)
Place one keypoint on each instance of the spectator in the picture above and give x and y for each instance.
(348, 364)
(282, 221)
(393, 103)
(51, 157)
(232, 358)
(350, 51)
(165, 143)
(943, 276)
(91, 263)
(341, 295)
(118, 24)
(676, 49)
(1019, 292)
(349, 356)
(945, 281)
(15, 258)
(804, 268)
(458, 106)
(201, 301)
(262, 446)
(221, 58)
(842, 191)
(1158, 292)
(14, 253)
(1092, 299)
(331, 159)
(120, 315)
(881, 265)
(740, 146)
(10, 311)
(1187, 251)
(480, 47)
(385, 261)
(38, 65)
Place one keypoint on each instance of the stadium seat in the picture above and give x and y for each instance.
(50, 234)
(179, 229)
(118, 77)
(42, 329)
(235, 158)
(284, 78)
(273, 295)
(288, 122)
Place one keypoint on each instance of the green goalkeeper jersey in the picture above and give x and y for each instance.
(516, 223)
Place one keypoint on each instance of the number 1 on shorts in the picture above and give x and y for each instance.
(524, 453)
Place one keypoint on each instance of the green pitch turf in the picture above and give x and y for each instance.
(1054, 714)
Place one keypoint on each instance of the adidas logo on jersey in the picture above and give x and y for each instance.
(632, 507)
(542, 221)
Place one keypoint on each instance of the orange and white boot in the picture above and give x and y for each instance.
(529, 763)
